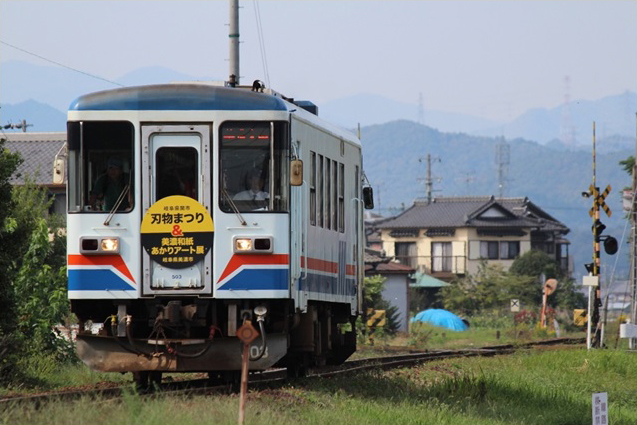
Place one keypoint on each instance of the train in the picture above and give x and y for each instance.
(198, 211)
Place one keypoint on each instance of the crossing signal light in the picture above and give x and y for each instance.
(598, 227)
(610, 245)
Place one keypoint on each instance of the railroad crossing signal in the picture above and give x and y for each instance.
(598, 200)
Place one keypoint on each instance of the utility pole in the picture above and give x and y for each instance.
(429, 183)
(23, 125)
(233, 35)
(502, 160)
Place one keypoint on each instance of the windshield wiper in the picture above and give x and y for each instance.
(119, 201)
(233, 206)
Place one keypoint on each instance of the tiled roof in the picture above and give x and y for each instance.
(38, 151)
(375, 264)
(469, 212)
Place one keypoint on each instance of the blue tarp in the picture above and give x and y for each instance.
(441, 318)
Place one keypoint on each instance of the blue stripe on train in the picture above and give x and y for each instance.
(97, 280)
(327, 285)
(258, 279)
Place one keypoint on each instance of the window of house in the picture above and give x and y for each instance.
(405, 252)
(441, 257)
(509, 250)
(489, 250)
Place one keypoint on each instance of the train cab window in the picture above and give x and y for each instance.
(100, 164)
(254, 167)
(176, 172)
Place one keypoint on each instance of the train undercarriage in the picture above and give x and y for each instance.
(154, 336)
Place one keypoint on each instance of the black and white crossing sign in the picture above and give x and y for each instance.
(515, 305)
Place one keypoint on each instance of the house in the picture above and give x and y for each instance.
(38, 150)
(397, 279)
(449, 236)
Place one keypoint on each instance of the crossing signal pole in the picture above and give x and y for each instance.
(610, 246)
(22, 125)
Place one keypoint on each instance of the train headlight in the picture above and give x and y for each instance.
(98, 245)
(253, 244)
(110, 245)
(242, 245)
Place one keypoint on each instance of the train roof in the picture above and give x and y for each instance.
(202, 96)
(178, 97)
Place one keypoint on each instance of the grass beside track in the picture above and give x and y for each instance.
(535, 387)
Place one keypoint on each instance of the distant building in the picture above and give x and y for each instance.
(450, 236)
(38, 150)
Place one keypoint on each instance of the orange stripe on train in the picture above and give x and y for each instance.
(101, 260)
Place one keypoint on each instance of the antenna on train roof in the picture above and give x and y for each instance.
(233, 35)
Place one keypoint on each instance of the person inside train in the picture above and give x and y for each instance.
(109, 186)
(254, 192)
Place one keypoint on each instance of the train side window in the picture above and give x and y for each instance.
(319, 195)
(312, 188)
(328, 193)
(101, 172)
(334, 195)
(341, 198)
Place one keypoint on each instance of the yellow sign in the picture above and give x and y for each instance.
(177, 232)
(579, 317)
(376, 318)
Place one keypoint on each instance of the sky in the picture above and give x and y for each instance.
(492, 59)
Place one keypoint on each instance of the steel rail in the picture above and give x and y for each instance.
(266, 379)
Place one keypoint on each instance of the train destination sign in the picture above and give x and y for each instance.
(177, 232)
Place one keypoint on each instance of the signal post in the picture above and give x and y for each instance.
(593, 337)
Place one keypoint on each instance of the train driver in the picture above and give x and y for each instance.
(109, 186)
(255, 192)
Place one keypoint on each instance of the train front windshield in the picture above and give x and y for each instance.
(254, 166)
(101, 174)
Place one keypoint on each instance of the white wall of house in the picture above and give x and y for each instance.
(465, 248)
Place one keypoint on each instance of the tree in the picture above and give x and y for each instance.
(9, 348)
(373, 293)
(40, 268)
(491, 288)
(535, 263)
(32, 252)
(628, 164)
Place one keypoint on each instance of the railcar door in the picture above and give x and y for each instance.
(176, 161)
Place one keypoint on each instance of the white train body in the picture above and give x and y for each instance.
(178, 262)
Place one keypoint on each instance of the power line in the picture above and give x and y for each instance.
(59, 64)
(264, 60)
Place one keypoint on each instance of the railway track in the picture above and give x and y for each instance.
(266, 379)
